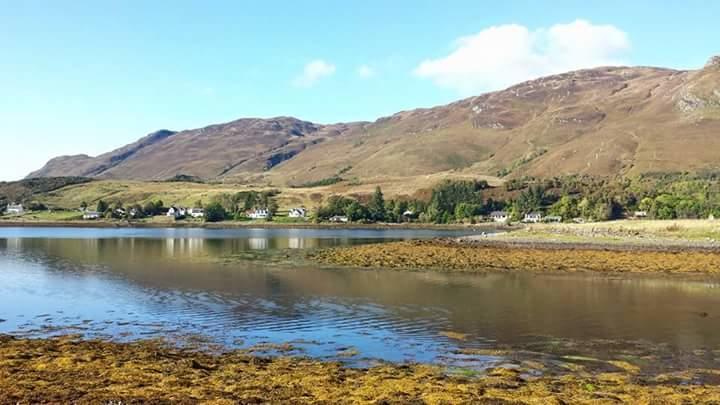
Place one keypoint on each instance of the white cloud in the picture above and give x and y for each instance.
(313, 72)
(365, 71)
(504, 55)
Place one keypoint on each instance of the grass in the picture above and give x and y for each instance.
(680, 229)
(47, 216)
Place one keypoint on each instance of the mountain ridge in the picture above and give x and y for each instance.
(600, 121)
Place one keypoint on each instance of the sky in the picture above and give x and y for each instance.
(89, 76)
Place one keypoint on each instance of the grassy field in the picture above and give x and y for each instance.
(46, 216)
(171, 193)
(682, 229)
(187, 194)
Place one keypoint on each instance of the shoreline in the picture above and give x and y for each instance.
(93, 371)
(241, 225)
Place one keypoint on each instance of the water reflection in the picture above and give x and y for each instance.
(140, 286)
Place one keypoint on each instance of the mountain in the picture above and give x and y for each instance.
(602, 121)
(243, 146)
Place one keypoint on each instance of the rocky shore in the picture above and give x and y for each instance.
(67, 370)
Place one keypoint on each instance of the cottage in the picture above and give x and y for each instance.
(339, 218)
(196, 212)
(90, 215)
(533, 217)
(15, 209)
(177, 212)
(297, 213)
(640, 214)
(499, 216)
(261, 213)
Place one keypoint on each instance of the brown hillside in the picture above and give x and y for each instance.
(603, 121)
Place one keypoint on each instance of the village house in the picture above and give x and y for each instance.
(90, 215)
(499, 216)
(196, 212)
(339, 218)
(533, 217)
(259, 213)
(297, 213)
(15, 209)
(177, 212)
(640, 214)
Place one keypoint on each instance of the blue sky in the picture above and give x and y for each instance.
(88, 76)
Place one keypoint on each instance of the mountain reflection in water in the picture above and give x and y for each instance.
(136, 286)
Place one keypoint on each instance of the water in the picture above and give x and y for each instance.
(178, 284)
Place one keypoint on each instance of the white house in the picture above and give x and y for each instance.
(499, 216)
(339, 218)
(533, 217)
(15, 209)
(176, 212)
(196, 212)
(641, 214)
(259, 213)
(297, 213)
(91, 215)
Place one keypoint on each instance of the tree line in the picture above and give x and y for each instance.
(657, 196)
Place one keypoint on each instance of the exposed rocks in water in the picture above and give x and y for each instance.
(448, 255)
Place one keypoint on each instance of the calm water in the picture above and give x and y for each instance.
(137, 283)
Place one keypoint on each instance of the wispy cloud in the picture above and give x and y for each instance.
(365, 71)
(499, 56)
(314, 71)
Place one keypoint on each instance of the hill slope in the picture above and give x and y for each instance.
(603, 121)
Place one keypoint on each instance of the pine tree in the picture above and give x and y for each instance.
(377, 205)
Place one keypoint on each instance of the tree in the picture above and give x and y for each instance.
(448, 194)
(83, 205)
(102, 206)
(400, 207)
(529, 200)
(566, 207)
(149, 209)
(356, 212)
(376, 207)
(466, 211)
(214, 212)
(336, 205)
(272, 207)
